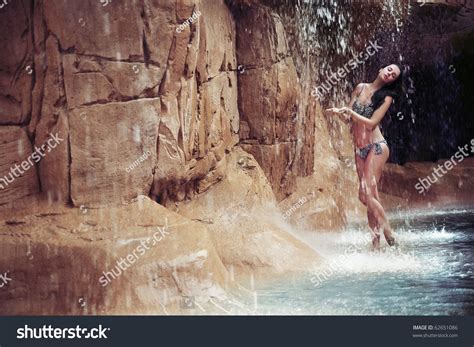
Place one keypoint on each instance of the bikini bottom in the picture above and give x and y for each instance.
(364, 151)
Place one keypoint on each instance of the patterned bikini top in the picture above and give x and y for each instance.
(364, 110)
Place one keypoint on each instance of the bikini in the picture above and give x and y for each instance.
(367, 112)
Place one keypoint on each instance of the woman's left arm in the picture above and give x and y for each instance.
(376, 117)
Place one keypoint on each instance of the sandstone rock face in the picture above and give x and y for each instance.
(89, 81)
(93, 66)
(65, 261)
(113, 151)
(251, 237)
(16, 73)
(229, 233)
(120, 33)
(18, 178)
(268, 95)
(116, 82)
(328, 198)
(199, 119)
(142, 108)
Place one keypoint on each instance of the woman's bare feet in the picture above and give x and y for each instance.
(387, 232)
(375, 239)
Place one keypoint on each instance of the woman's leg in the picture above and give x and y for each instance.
(388, 233)
(373, 225)
(360, 163)
(372, 171)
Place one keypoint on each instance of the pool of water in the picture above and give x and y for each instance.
(431, 273)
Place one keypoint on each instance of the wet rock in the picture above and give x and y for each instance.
(16, 65)
(416, 184)
(268, 94)
(18, 178)
(331, 191)
(79, 26)
(52, 120)
(72, 274)
(248, 229)
(89, 81)
(105, 137)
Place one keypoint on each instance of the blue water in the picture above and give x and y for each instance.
(431, 273)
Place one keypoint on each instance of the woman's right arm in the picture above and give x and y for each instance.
(354, 95)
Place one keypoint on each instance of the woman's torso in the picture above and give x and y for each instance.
(362, 135)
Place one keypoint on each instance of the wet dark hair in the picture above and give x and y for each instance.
(393, 89)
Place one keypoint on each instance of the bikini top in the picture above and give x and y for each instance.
(364, 110)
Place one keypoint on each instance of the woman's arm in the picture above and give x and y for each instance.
(354, 95)
(376, 117)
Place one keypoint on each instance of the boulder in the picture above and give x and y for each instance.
(250, 235)
(134, 259)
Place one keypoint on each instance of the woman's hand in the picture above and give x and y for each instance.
(335, 110)
(343, 111)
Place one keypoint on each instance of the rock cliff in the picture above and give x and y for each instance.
(153, 104)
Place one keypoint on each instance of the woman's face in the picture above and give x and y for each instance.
(389, 73)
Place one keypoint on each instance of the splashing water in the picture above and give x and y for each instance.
(431, 273)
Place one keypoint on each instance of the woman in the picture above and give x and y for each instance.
(368, 105)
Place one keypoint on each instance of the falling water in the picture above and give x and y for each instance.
(424, 124)
(327, 34)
